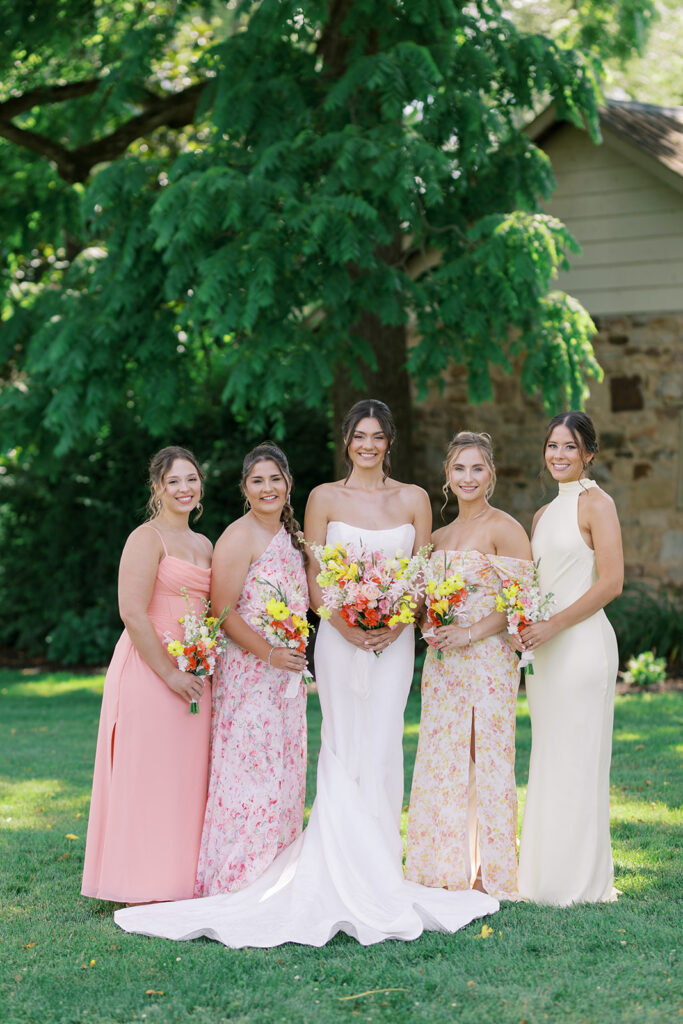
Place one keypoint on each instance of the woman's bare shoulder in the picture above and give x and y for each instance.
(238, 532)
(145, 538)
(412, 495)
(598, 498)
(502, 520)
(510, 537)
(325, 494)
(441, 537)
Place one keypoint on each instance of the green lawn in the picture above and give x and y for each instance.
(63, 959)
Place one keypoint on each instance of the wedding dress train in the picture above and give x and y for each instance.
(344, 872)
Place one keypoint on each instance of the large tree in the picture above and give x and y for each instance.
(269, 195)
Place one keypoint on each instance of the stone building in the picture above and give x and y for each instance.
(623, 202)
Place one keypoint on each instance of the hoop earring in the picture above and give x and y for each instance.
(199, 507)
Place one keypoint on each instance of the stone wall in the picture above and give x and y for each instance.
(638, 411)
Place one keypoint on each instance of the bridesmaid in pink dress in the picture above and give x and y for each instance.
(151, 765)
(258, 755)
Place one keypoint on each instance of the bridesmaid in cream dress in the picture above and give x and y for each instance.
(565, 854)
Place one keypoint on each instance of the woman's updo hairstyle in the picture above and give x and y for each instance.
(267, 451)
(580, 426)
(469, 439)
(369, 408)
(159, 466)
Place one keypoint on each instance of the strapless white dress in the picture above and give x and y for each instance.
(344, 872)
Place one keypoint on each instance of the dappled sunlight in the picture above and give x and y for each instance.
(37, 803)
(621, 736)
(654, 811)
(49, 686)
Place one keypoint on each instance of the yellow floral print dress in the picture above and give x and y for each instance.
(456, 807)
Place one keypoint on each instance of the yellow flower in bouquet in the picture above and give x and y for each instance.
(278, 610)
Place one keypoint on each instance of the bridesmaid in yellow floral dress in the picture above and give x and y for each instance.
(462, 824)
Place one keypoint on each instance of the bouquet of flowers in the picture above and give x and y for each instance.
(202, 642)
(523, 603)
(369, 589)
(283, 627)
(445, 593)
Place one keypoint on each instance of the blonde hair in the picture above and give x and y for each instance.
(469, 439)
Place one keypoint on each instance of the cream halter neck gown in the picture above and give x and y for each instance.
(565, 853)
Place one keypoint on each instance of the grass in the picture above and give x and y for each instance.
(63, 959)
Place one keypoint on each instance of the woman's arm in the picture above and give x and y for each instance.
(422, 518)
(315, 532)
(448, 637)
(137, 574)
(232, 557)
(603, 523)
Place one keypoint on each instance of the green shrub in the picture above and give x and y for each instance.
(646, 619)
(645, 670)
(63, 522)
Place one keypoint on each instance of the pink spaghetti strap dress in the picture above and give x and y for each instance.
(151, 765)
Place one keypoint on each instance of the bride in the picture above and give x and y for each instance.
(344, 872)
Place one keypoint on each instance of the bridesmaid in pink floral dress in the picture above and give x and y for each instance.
(151, 766)
(462, 823)
(258, 736)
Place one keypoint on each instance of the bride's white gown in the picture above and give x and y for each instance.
(344, 872)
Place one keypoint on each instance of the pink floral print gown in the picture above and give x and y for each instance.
(456, 807)
(257, 780)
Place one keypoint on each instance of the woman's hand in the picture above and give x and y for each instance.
(447, 638)
(375, 640)
(514, 641)
(538, 633)
(425, 628)
(288, 659)
(185, 684)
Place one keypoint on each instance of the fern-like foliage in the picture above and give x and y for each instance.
(336, 150)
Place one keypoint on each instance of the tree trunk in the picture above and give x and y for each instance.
(389, 383)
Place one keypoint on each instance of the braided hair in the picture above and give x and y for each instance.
(268, 451)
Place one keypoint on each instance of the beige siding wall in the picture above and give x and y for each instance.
(629, 225)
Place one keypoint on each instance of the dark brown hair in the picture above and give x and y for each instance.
(267, 451)
(369, 408)
(581, 427)
(469, 439)
(159, 466)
